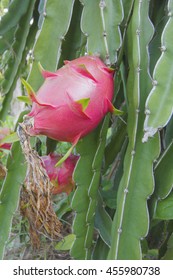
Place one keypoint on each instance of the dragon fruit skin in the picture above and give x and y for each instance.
(73, 100)
(4, 131)
(61, 177)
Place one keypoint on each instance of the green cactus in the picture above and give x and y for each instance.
(57, 16)
(164, 182)
(14, 62)
(9, 195)
(107, 16)
(159, 102)
(15, 11)
(132, 196)
(122, 205)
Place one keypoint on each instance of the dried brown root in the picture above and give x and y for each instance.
(35, 201)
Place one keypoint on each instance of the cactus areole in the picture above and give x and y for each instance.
(73, 100)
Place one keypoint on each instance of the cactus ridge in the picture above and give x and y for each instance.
(107, 16)
(130, 192)
(15, 13)
(15, 59)
(159, 102)
(57, 17)
(87, 188)
(163, 177)
(9, 195)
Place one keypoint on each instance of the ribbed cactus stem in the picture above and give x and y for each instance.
(102, 6)
(135, 187)
(103, 32)
(133, 143)
(55, 22)
(159, 102)
(15, 60)
(85, 197)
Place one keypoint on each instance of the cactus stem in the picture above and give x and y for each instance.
(133, 141)
(102, 5)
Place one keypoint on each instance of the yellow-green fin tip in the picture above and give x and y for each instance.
(84, 102)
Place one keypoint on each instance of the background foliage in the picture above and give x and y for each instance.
(122, 207)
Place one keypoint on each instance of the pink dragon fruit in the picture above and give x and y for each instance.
(73, 100)
(4, 131)
(60, 177)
